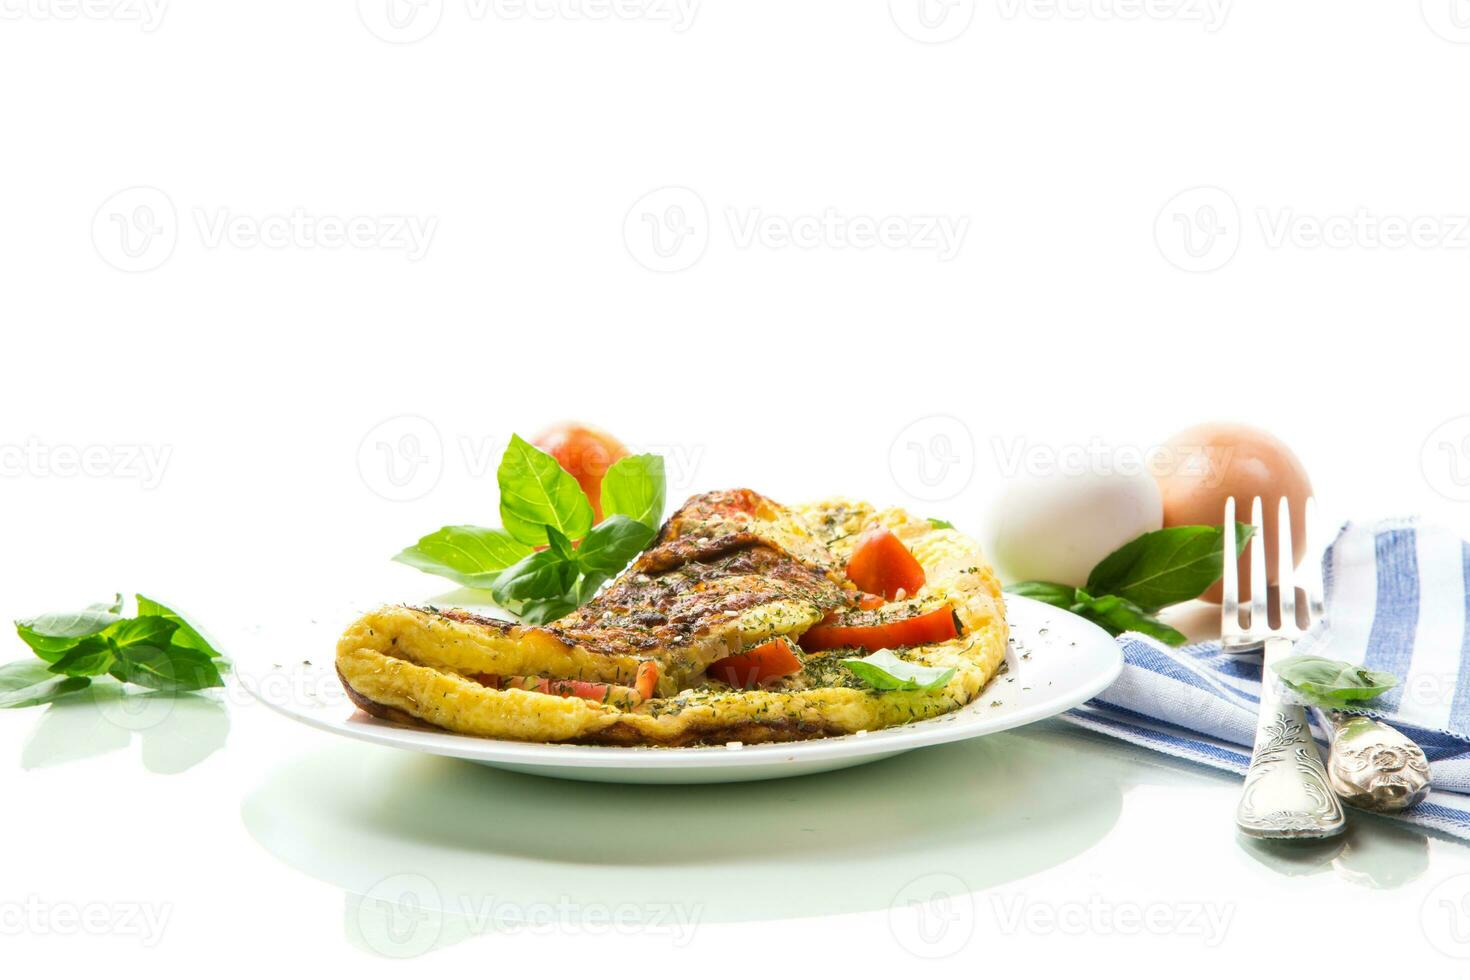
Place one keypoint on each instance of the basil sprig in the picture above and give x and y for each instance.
(157, 648)
(884, 671)
(549, 558)
(1332, 683)
(1154, 570)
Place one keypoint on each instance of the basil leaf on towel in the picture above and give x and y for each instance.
(1332, 683)
(536, 493)
(472, 556)
(1162, 568)
(883, 671)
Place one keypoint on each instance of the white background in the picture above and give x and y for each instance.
(1315, 287)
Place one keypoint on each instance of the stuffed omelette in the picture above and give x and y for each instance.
(732, 626)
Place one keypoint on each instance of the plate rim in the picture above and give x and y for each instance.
(553, 755)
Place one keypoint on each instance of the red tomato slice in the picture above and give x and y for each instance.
(754, 667)
(934, 626)
(578, 689)
(566, 689)
(880, 564)
(647, 680)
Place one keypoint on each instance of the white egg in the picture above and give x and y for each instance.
(1057, 527)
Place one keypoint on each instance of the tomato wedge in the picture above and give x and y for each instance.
(647, 680)
(934, 626)
(880, 564)
(754, 667)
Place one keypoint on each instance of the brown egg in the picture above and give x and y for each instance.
(1200, 467)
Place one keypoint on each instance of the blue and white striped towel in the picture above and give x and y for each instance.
(1398, 599)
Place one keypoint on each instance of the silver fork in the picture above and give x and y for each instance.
(1286, 791)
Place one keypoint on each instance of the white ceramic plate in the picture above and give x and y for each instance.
(1056, 661)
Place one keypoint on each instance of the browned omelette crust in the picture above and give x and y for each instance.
(727, 571)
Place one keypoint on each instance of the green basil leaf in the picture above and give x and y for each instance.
(472, 556)
(609, 546)
(634, 486)
(141, 631)
(1165, 567)
(941, 524)
(536, 493)
(541, 575)
(147, 655)
(1117, 615)
(542, 611)
(560, 545)
(53, 634)
(883, 671)
(1330, 683)
(166, 668)
(607, 550)
(92, 657)
(25, 683)
(1048, 592)
(186, 635)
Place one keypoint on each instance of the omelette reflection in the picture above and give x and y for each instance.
(431, 851)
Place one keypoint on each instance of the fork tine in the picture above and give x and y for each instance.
(1316, 551)
(1285, 567)
(1260, 626)
(1230, 580)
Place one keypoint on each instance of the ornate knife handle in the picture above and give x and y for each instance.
(1373, 766)
(1286, 789)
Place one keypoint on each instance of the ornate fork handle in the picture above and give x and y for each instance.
(1286, 789)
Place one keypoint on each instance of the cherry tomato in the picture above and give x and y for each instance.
(584, 452)
(880, 564)
(934, 626)
(754, 667)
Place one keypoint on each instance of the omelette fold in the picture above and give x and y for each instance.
(728, 572)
